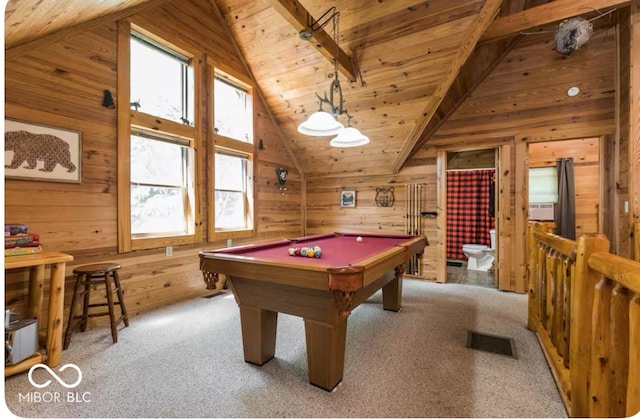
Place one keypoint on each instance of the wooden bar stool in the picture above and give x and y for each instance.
(96, 274)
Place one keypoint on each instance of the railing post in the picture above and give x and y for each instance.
(601, 347)
(569, 284)
(620, 299)
(542, 285)
(581, 319)
(633, 387)
(558, 303)
(550, 284)
(532, 280)
(534, 275)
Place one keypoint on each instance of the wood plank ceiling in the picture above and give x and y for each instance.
(415, 61)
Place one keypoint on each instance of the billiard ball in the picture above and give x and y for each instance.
(359, 239)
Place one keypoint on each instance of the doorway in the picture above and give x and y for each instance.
(467, 203)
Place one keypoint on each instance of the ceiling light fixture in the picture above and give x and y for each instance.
(323, 123)
(349, 137)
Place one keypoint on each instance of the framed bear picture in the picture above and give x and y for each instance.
(40, 152)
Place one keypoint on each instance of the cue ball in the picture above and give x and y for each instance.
(359, 239)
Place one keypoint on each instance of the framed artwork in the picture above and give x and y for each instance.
(347, 198)
(40, 152)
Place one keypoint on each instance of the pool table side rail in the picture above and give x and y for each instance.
(321, 277)
(376, 266)
(248, 247)
(348, 234)
(282, 272)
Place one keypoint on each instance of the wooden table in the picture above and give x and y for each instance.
(266, 280)
(37, 263)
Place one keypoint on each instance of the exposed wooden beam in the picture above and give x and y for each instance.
(17, 49)
(298, 16)
(482, 61)
(483, 20)
(553, 11)
(480, 64)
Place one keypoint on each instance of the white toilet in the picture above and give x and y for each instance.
(480, 256)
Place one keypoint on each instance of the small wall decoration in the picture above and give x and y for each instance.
(39, 152)
(107, 100)
(283, 174)
(347, 198)
(385, 197)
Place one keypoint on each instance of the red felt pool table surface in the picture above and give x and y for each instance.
(266, 280)
(338, 249)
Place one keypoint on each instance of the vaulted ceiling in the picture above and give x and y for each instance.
(404, 65)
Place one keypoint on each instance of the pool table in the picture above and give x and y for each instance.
(267, 280)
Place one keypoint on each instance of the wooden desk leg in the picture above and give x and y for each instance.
(258, 334)
(36, 291)
(392, 292)
(325, 352)
(56, 309)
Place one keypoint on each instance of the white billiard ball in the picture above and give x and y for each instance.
(359, 239)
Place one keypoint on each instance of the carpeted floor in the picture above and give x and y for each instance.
(186, 361)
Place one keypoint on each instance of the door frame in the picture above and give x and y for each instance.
(503, 183)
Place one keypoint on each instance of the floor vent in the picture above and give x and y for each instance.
(490, 343)
(454, 263)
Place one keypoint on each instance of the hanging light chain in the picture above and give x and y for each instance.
(336, 33)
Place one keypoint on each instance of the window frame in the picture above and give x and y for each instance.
(247, 193)
(230, 146)
(131, 120)
(187, 189)
(546, 168)
(166, 48)
(233, 82)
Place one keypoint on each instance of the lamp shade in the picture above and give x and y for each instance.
(320, 124)
(349, 137)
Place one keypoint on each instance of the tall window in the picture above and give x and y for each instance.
(232, 187)
(231, 161)
(162, 82)
(161, 187)
(157, 141)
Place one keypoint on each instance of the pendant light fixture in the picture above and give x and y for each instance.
(349, 137)
(323, 123)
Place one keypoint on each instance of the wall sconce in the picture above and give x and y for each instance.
(282, 179)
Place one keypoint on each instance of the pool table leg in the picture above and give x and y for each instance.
(392, 292)
(325, 351)
(258, 334)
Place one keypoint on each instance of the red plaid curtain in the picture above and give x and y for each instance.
(468, 218)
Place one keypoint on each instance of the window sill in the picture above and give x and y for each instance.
(157, 242)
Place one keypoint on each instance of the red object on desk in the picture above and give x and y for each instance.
(323, 291)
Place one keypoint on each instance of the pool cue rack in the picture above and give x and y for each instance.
(413, 221)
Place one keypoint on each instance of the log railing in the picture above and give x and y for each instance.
(584, 305)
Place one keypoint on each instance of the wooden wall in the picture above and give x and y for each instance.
(474, 159)
(62, 84)
(627, 167)
(324, 213)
